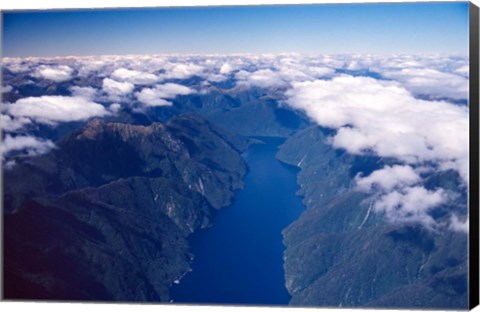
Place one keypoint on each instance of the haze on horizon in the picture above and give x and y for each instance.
(322, 28)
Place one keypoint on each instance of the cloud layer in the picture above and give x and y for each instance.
(134, 76)
(115, 89)
(411, 204)
(388, 178)
(160, 95)
(55, 73)
(52, 109)
(383, 118)
(29, 144)
(410, 109)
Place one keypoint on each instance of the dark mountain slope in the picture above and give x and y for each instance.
(249, 112)
(103, 152)
(340, 253)
(105, 216)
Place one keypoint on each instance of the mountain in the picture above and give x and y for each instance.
(248, 112)
(106, 215)
(339, 253)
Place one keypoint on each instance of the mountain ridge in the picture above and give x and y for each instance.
(119, 223)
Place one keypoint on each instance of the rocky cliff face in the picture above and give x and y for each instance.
(105, 215)
(341, 253)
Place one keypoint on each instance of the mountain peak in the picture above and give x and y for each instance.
(97, 127)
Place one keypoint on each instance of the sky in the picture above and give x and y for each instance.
(324, 28)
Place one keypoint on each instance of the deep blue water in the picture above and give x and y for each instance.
(240, 259)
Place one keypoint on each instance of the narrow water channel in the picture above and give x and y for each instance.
(239, 259)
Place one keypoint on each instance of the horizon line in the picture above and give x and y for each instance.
(238, 54)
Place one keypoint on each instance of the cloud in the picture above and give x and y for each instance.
(53, 109)
(57, 73)
(115, 89)
(10, 124)
(226, 68)
(152, 97)
(84, 92)
(300, 68)
(432, 82)
(388, 178)
(216, 78)
(115, 107)
(134, 76)
(457, 225)
(381, 117)
(431, 76)
(281, 71)
(16, 65)
(31, 145)
(5, 89)
(264, 78)
(181, 71)
(411, 204)
(403, 114)
(396, 191)
(159, 95)
(464, 71)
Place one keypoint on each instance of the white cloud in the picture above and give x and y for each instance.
(181, 71)
(388, 178)
(226, 68)
(281, 71)
(216, 78)
(370, 116)
(431, 82)
(115, 89)
(411, 204)
(32, 145)
(53, 109)
(90, 65)
(10, 124)
(397, 193)
(151, 97)
(383, 118)
(115, 107)
(159, 95)
(57, 73)
(5, 89)
(298, 68)
(263, 78)
(457, 225)
(16, 65)
(464, 71)
(134, 76)
(433, 76)
(85, 92)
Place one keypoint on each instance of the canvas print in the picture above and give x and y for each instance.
(279, 155)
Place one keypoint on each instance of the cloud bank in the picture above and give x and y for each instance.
(134, 76)
(53, 109)
(55, 73)
(29, 144)
(115, 89)
(11, 124)
(411, 204)
(388, 178)
(383, 118)
(408, 108)
(160, 95)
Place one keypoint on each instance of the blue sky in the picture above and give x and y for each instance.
(327, 28)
